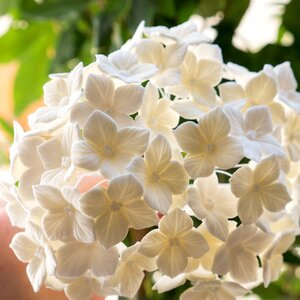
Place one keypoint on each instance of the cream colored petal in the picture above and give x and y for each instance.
(198, 165)
(111, 227)
(80, 113)
(150, 98)
(267, 171)
(83, 228)
(153, 243)
(174, 54)
(278, 112)
(99, 91)
(158, 196)
(51, 153)
(189, 137)
(139, 215)
(58, 226)
(249, 208)
(36, 272)
(228, 152)
(231, 91)
(243, 266)
(258, 242)
(150, 51)
(188, 109)
(128, 98)
(221, 261)
(214, 125)
(203, 95)
(172, 261)
(174, 177)
(82, 289)
(209, 72)
(132, 142)
(54, 91)
(241, 181)
(158, 153)
(194, 243)
(24, 248)
(28, 179)
(272, 269)
(49, 197)
(176, 223)
(93, 202)
(170, 76)
(196, 202)
(138, 167)
(261, 89)
(217, 226)
(274, 196)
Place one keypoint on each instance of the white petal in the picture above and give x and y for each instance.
(36, 272)
(83, 228)
(152, 243)
(23, 247)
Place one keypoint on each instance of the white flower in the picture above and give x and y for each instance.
(208, 145)
(63, 220)
(238, 254)
(75, 259)
(167, 59)
(214, 289)
(213, 204)
(161, 177)
(124, 65)
(254, 131)
(257, 189)
(101, 94)
(130, 271)
(272, 259)
(60, 94)
(32, 247)
(55, 154)
(106, 147)
(157, 115)
(117, 208)
(173, 243)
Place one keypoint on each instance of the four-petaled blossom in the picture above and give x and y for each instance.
(63, 220)
(259, 188)
(173, 242)
(101, 94)
(161, 177)
(208, 144)
(32, 247)
(213, 204)
(117, 208)
(106, 147)
(238, 254)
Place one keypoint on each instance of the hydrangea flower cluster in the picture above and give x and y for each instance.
(160, 158)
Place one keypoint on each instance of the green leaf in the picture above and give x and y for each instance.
(56, 9)
(7, 127)
(6, 5)
(33, 71)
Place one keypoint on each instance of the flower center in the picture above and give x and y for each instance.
(255, 188)
(209, 147)
(115, 206)
(251, 135)
(155, 177)
(107, 150)
(69, 210)
(39, 252)
(66, 161)
(173, 242)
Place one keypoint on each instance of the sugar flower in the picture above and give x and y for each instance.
(101, 94)
(117, 208)
(173, 243)
(106, 147)
(259, 188)
(161, 177)
(208, 144)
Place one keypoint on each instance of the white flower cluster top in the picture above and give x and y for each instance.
(158, 158)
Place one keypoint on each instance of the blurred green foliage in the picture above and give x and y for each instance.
(48, 36)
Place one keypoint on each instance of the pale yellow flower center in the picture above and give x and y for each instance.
(173, 242)
(115, 206)
(155, 177)
(39, 252)
(209, 147)
(107, 150)
(255, 188)
(69, 210)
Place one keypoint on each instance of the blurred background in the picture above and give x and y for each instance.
(39, 37)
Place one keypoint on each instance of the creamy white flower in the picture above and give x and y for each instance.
(55, 154)
(106, 147)
(32, 247)
(272, 259)
(238, 254)
(160, 176)
(117, 208)
(157, 115)
(101, 94)
(60, 94)
(75, 259)
(208, 144)
(287, 84)
(167, 59)
(124, 65)
(213, 204)
(214, 289)
(130, 271)
(259, 188)
(254, 130)
(63, 220)
(173, 243)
